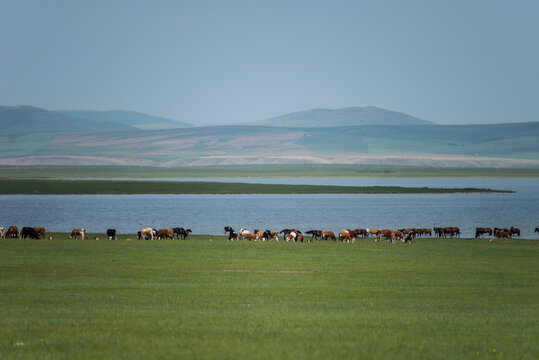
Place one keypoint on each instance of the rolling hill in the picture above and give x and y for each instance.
(495, 145)
(132, 118)
(350, 116)
(25, 119)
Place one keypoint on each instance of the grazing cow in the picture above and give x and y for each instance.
(328, 235)
(243, 233)
(165, 233)
(410, 237)
(111, 233)
(28, 232)
(2, 233)
(147, 232)
(232, 235)
(373, 232)
(537, 229)
(78, 232)
(514, 231)
(292, 235)
(12, 232)
(482, 231)
(40, 231)
(249, 236)
(347, 236)
(185, 233)
(390, 235)
(314, 234)
(503, 234)
(139, 235)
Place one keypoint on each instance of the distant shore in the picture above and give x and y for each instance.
(79, 187)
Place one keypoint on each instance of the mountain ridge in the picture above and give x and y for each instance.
(347, 116)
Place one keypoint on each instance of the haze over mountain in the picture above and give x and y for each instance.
(26, 119)
(132, 118)
(349, 116)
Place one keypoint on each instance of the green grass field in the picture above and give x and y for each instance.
(201, 299)
(235, 171)
(32, 186)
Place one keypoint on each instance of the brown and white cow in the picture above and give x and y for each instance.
(390, 235)
(326, 234)
(2, 233)
(147, 232)
(12, 232)
(78, 232)
(347, 235)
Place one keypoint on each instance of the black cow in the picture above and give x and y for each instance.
(28, 232)
(111, 233)
(232, 235)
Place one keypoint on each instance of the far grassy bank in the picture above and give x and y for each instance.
(261, 171)
(65, 187)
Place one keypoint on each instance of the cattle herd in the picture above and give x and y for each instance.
(345, 235)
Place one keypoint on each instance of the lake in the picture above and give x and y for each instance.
(208, 214)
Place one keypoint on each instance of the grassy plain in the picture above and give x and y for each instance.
(292, 170)
(200, 299)
(59, 187)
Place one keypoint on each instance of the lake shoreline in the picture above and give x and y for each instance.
(117, 187)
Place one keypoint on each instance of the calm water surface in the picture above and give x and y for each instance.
(208, 214)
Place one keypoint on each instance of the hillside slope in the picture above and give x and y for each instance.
(493, 145)
(350, 116)
(132, 118)
(27, 119)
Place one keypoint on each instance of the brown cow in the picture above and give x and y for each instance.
(373, 232)
(12, 232)
(164, 233)
(347, 235)
(78, 232)
(40, 231)
(503, 234)
(390, 235)
(328, 235)
(482, 231)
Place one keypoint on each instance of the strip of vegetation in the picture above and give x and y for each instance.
(66, 187)
(270, 170)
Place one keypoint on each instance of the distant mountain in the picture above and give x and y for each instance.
(27, 119)
(349, 116)
(132, 118)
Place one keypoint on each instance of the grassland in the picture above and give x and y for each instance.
(254, 171)
(200, 299)
(68, 187)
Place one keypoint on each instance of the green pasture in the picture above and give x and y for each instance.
(203, 299)
(31, 186)
(253, 171)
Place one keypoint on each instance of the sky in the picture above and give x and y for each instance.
(220, 62)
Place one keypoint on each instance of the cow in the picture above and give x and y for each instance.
(328, 235)
(185, 233)
(28, 232)
(514, 231)
(292, 235)
(2, 233)
(373, 232)
(390, 235)
(503, 234)
(12, 232)
(410, 237)
(165, 233)
(482, 231)
(139, 235)
(40, 231)
(315, 234)
(78, 232)
(147, 232)
(232, 235)
(347, 236)
(111, 233)
(537, 229)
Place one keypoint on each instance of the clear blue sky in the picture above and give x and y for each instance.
(214, 62)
